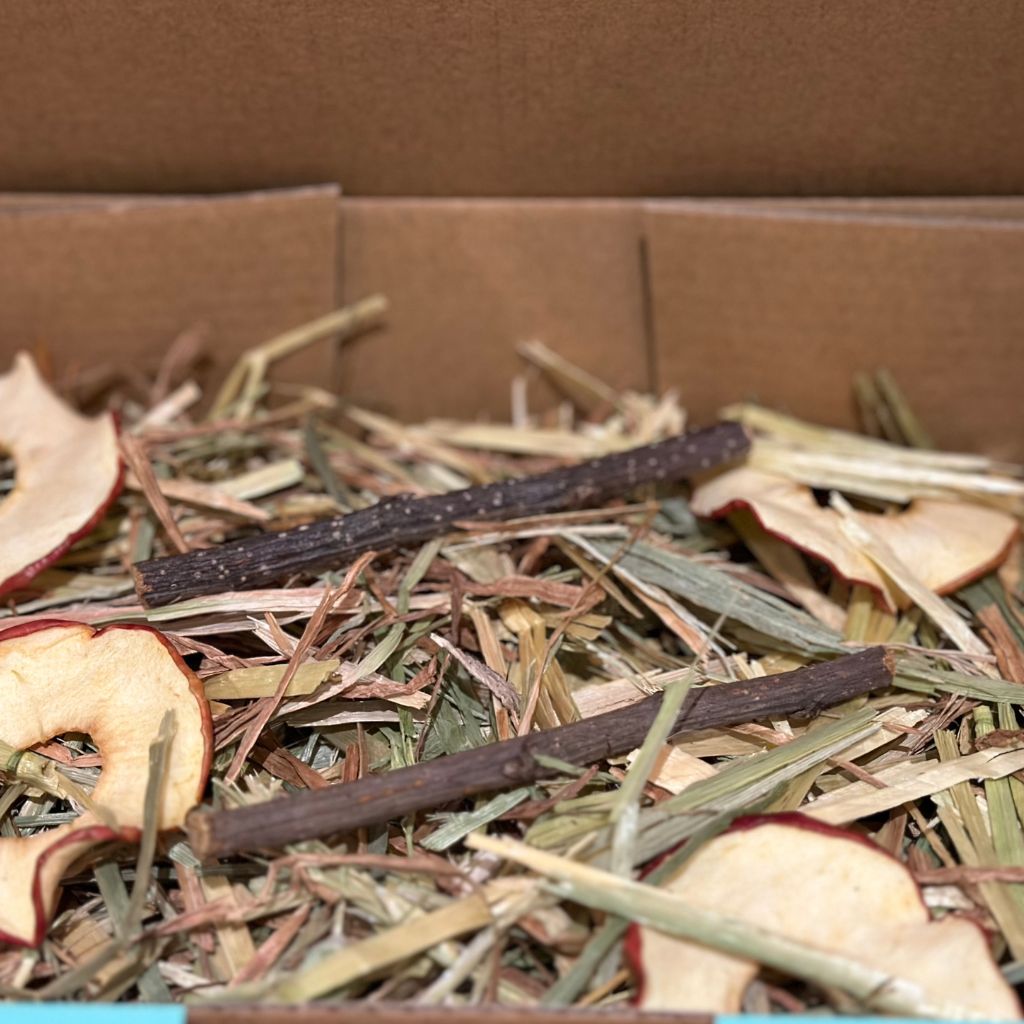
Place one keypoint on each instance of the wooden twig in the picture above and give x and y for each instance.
(433, 784)
(257, 561)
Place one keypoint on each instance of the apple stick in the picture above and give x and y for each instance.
(333, 543)
(432, 784)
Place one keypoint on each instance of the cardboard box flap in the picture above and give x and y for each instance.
(739, 299)
(786, 308)
(116, 280)
(468, 281)
(532, 98)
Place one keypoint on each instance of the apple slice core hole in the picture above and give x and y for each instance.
(73, 762)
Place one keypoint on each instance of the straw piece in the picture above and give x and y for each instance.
(483, 674)
(910, 426)
(715, 590)
(137, 459)
(912, 781)
(263, 680)
(870, 544)
(242, 387)
(385, 949)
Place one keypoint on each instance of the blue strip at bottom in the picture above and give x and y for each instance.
(93, 1013)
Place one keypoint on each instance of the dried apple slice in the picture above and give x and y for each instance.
(827, 888)
(68, 470)
(114, 684)
(948, 543)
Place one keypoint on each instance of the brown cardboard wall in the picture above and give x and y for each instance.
(467, 281)
(530, 98)
(777, 300)
(786, 307)
(117, 280)
(782, 301)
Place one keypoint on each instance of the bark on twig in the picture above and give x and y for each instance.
(375, 799)
(258, 561)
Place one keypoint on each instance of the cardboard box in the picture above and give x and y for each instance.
(780, 301)
(530, 98)
(785, 305)
(853, 174)
(880, 141)
(115, 279)
(470, 279)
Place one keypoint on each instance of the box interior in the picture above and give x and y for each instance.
(509, 172)
(528, 99)
(721, 300)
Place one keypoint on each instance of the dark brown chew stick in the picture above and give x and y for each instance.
(258, 561)
(379, 798)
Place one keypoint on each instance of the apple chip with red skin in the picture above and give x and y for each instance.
(826, 888)
(115, 684)
(68, 471)
(947, 543)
